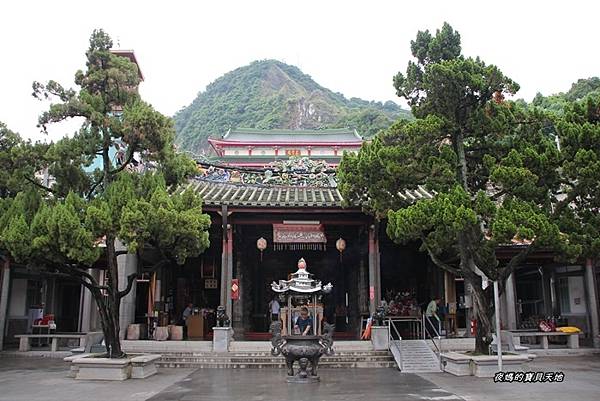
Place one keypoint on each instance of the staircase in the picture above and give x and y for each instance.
(417, 356)
(261, 360)
(257, 355)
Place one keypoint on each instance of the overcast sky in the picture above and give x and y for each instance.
(352, 47)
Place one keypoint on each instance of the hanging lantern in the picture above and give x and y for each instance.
(340, 245)
(261, 244)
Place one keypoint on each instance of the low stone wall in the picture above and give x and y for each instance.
(461, 364)
(456, 344)
(92, 367)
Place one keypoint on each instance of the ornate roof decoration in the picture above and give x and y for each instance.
(297, 182)
(302, 282)
(295, 171)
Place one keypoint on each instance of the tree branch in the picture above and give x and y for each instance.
(440, 263)
(130, 279)
(514, 262)
(125, 163)
(94, 187)
(36, 183)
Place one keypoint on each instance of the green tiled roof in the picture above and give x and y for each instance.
(339, 135)
(248, 195)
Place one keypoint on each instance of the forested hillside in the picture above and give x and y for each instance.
(271, 94)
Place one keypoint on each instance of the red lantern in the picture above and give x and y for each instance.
(261, 244)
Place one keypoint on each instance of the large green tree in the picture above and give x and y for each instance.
(18, 159)
(493, 166)
(96, 201)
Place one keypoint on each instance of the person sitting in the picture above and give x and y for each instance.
(304, 323)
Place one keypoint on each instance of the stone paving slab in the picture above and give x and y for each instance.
(581, 382)
(335, 385)
(45, 379)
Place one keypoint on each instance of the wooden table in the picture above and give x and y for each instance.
(195, 327)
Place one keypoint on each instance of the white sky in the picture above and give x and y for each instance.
(352, 47)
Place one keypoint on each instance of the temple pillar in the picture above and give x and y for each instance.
(363, 285)
(510, 295)
(229, 304)
(238, 305)
(449, 288)
(4, 288)
(374, 280)
(127, 264)
(592, 297)
(224, 292)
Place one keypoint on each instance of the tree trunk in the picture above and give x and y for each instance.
(112, 302)
(483, 315)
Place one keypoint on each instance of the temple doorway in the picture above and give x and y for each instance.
(256, 272)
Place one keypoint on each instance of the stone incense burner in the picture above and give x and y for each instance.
(307, 349)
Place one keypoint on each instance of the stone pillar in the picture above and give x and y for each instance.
(127, 264)
(221, 338)
(380, 338)
(224, 254)
(4, 288)
(238, 305)
(592, 296)
(363, 287)
(87, 306)
(377, 269)
(229, 304)
(372, 270)
(510, 294)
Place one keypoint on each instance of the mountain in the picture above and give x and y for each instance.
(271, 94)
(579, 90)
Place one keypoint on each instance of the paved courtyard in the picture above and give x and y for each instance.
(41, 379)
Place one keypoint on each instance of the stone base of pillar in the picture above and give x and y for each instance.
(222, 336)
(380, 338)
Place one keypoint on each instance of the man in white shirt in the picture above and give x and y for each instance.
(274, 308)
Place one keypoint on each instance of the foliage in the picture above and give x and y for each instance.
(557, 103)
(494, 168)
(270, 94)
(75, 225)
(18, 159)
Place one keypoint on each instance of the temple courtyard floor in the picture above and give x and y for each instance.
(36, 379)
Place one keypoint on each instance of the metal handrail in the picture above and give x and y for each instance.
(437, 336)
(415, 325)
(392, 343)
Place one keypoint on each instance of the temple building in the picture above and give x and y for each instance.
(268, 216)
(273, 199)
(246, 147)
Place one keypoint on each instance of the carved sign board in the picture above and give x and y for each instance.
(299, 233)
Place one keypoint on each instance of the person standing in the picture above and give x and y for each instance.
(274, 309)
(187, 312)
(432, 318)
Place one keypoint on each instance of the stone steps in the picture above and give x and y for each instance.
(268, 354)
(201, 359)
(417, 357)
(271, 364)
(256, 354)
(257, 360)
